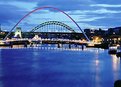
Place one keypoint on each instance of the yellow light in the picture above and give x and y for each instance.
(119, 38)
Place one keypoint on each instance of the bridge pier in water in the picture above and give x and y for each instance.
(11, 45)
(18, 44)
(69, 46)
(60, 45)
(25, 45)
(82, 47)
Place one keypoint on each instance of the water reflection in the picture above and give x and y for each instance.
(1, 73)
(97, 77)
(97, 63)
(115, 62)
(51, 47)
(97, 57)
(36, 67)
(115, 66)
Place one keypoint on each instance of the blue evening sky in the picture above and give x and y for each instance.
(87, 13)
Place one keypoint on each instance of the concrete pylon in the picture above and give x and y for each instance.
(18, 32)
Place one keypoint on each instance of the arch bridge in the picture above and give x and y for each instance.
(55, 29)
(64, 35)
(60, 24)
(46, 7)
(53, 26)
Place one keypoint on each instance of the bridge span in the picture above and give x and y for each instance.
(55, 25)
(26, 42)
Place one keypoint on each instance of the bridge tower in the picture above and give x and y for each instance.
(18, 32)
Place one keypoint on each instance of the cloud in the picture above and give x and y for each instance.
(108, 1)
(90, 13)
(102, 18)
(9, 14)
(104, 11)
(101, 11)
(92, 26)
(90, 19)
(105, 5)
(66, 5)
(31, 1)
(107, 22)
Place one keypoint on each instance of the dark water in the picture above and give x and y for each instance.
(58, 68)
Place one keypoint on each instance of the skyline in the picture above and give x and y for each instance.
(88, 14)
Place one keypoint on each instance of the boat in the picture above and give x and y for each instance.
(118, 53)
(112, 49)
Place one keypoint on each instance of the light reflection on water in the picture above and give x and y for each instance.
(42, 67)
(116, 66)
(115, 62)
(1, 74)
(97, 61)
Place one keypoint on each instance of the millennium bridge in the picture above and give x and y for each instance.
(62, 33)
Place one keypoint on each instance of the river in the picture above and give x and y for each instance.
(43, 67)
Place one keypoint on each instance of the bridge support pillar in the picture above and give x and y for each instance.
(82, 47)
(25, 45)
(75, 45)
(31, 44)
(69, 46)
(11, 45)
(59, 45)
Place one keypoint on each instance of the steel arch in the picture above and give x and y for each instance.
(52, 23)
